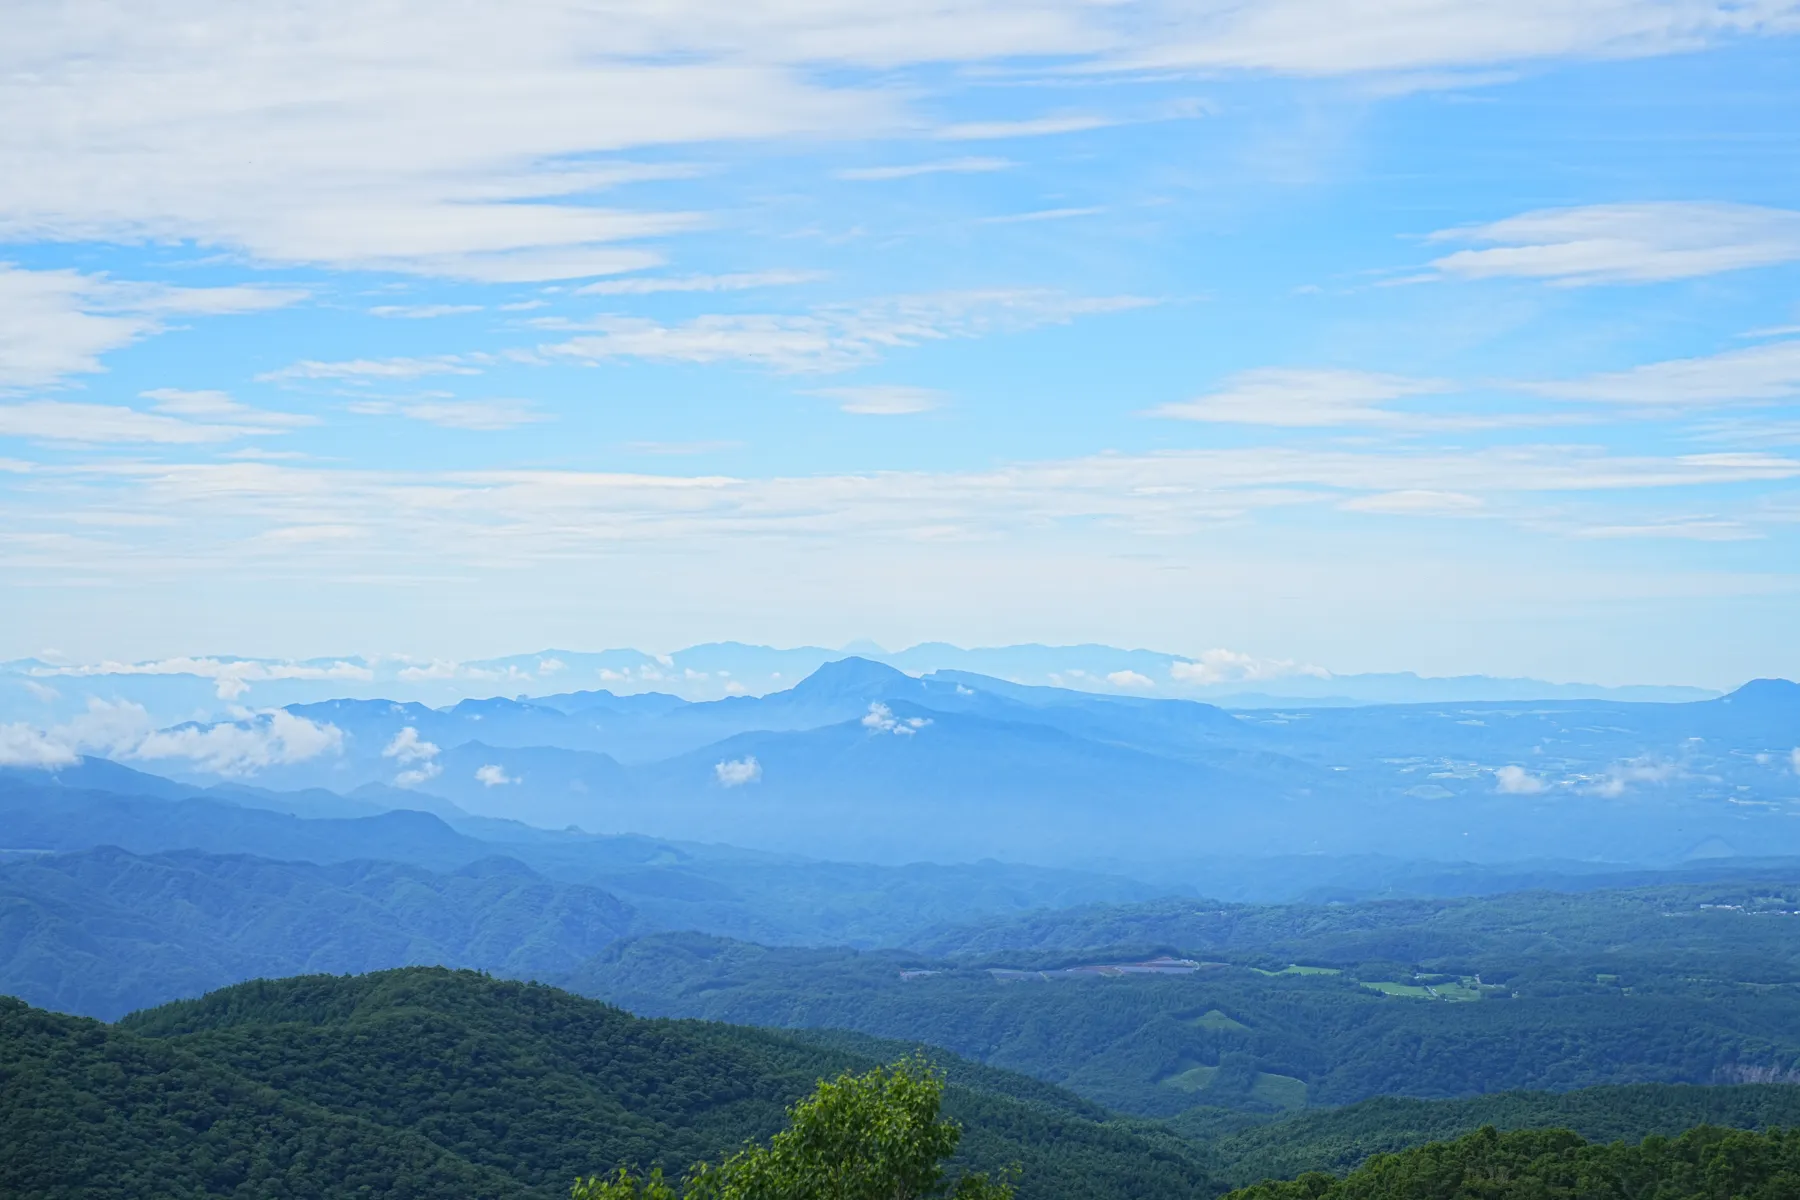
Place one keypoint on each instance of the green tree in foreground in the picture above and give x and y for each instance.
(875, 1136)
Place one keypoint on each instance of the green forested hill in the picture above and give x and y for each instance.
(1340, 1139)
(425, 1083)
(1705, 1163)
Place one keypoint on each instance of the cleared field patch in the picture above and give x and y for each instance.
(1282, 1091)
(1215, 1021)
(1194, 1079)
(1411, 990)
(1464, 989)
(1297, 969)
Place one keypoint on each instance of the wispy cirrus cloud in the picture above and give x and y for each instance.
(1304, 398)
(499, 517)
(741, 281)
(58, 323)
(1316, 37)
(65, 421)
(883, 400)
(477, 415)
(834, 338)
(363, 146)
(364, 369)
(967, 165)
(977, 131)
(423, 312)
(1646, 242)
(1753, 375)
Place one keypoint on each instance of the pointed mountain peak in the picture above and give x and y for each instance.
(855, 678)
(1765, 693)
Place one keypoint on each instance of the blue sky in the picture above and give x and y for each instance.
(1383, 335)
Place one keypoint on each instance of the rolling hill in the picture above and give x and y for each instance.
(432, 1083)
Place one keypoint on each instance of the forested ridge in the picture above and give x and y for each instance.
(1705, 1163)
(426, 1082)
(1239, 1036)
(1340, 1139)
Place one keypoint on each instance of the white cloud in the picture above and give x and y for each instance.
(1517, 781)
(1644, 242)
(1041, 214)
(415, 754)
(362, 144)
(1332, 37)
(231, 677)
(737, 772)
(1756, 374)
(23, 746)
(1231, 666)
(1690, 529)
(742, 281)
(881, 719)
(1794, 760)
(484, 415)
(122, 730)
(835, 338)
(414, 776)
(58, 323)
(943, 166)
(974, 131)
(423, 312)
(493, 775)
(374, 368)
(242, 747)
(884, 400)
(339, 134)
(211, 514)
(61, 421)
(182, 403)
(1301, 397)
(1416, 502)
(408, 747)
(1620, 776)
(1130, 679)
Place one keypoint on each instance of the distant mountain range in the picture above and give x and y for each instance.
(863, 762)
(206, 688)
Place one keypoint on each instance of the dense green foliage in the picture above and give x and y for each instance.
(871, 1136)
(431, 1083)
(1705, 1163)
(1239, 1037)
(1340, 1139)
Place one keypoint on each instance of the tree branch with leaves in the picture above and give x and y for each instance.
(874, 1136)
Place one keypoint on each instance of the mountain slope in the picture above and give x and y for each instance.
(481, 1088)
(105, 932)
